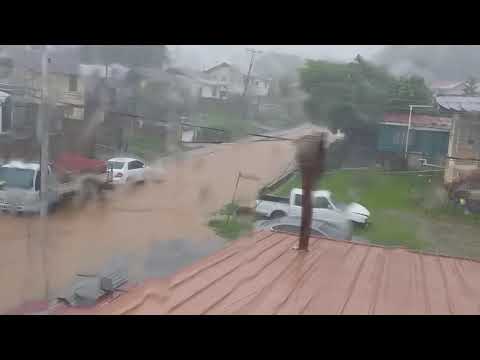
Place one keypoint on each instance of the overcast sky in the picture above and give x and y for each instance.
(204, 56)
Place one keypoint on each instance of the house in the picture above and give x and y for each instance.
(23, 86)
(428, 136)
(199, 84)
(449, 88)
(464, 146)
(233, 81)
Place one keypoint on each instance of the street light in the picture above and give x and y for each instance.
(410, 124)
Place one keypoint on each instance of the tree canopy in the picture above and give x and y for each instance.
(354, 96)
(470, 88)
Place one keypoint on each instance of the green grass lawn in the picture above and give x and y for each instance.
(146, 146)
(230, 121)
(228, 225)
(398, 203)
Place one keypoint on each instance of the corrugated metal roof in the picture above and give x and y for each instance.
(459, 103)
(264, 275)
(421, 121)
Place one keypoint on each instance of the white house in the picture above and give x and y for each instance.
(230, 79)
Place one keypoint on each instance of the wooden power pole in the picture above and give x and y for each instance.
(311, 151)
(252, 52)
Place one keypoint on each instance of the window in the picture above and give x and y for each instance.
(37, 181)
(214, 91)
(6, 114)
(132, 165)
(257, 83)
(298, 200)
(17, 178)
(321, 203)
(117, 165)
(73, 83)
(398, 138)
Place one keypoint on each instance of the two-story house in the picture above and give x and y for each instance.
(231, 81)
(22, 96)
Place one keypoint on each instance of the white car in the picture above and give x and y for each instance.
(127, 170)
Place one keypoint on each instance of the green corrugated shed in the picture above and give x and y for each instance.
(391, 138)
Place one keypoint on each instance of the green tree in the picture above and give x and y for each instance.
(470, 88)
(345, 97)
(353, 97)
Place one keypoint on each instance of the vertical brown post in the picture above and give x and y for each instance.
(307, 184)
(310, 159)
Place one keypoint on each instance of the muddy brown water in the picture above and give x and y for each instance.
(134, 222)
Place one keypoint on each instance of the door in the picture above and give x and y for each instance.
(135, 171)
(323, 209)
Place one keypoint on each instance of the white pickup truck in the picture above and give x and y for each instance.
(71, 176)
(324, 208)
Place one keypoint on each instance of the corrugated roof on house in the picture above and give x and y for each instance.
(459, 103)
(447, 85)
(264, 275)
(419, 121)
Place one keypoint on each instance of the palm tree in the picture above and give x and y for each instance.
(470, 88)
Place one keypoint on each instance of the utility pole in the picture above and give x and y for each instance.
(44, 144)
(44, 136)
(253, 52)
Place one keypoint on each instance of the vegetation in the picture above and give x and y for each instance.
(146, 146)
(405, 208)
(229, 225)
(353, 97)
(471, 87)
(232, 122)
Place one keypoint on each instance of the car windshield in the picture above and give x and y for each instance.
(339, 205)
(117, 165)
(17, 178)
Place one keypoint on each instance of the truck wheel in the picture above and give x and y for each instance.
(277, 214)
(88, 191)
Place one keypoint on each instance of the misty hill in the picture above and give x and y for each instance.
(433, 62)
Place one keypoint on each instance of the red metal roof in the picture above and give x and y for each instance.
(264, 275)
(420, 121)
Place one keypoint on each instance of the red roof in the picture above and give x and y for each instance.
(419, 121)
(264, 275)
